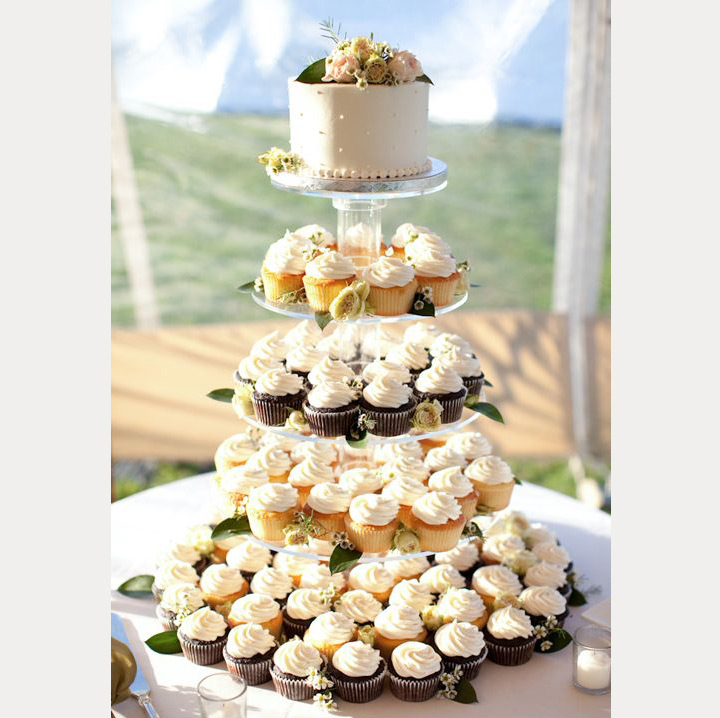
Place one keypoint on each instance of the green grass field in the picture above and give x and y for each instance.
(210, 213)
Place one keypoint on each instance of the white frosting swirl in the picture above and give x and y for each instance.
(179, 552)
(272, 582)
(252, 368)
(413, 659)
(432, 264)
(203, 625)
(408, 466)
(272, 460)
(304, 358)
(277, 382)
(182, 597)
(373, 510)
(446, 342)
(248, 556)
(443, 457)
(406, 567)
(410, 592)
(552, 553)
(230, 542)
(291, 563)
(538, 533)
(273, 497)
(404, 490)
(330, 265)
(330, 370)
(545, 574)
(462, 557)
(331, 627)
(200, 538)
(221, 580)
(297, 658)
(426, 243)
(285, 257)
(360, 481)
(304, 334)
(270, 347)
(441, 577)
(463, 363)
(407, 232)
(359, 605)
(386, 392)
(248, 640)
(319, 576)
(461, 604)
(459, 638)
(542, 601)
(438, 379)
(496, 580)
(412, 356)
(510, 622)
(490, 470)
(399, 621)
(242, 479)
(174, 571)
(501, 546)
(278, 441)
(371, 576)
(390, 452)
(322, 453)
(304, 603)
(383, 366)
(471, 444)
(356, 659)
(329, 498)
(310, 472)
(236, 448)
(331, 395)
(386, 272)
(436, 507)
(421, 333)
(316, 234)
(254, 608)
(452, 481)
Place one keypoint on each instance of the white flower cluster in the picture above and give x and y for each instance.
(449, 681)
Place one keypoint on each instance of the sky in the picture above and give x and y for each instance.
(489, 59)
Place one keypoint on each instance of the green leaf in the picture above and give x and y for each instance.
(427, 309)
(313, 73)
(424, 78)
(487, 409)
(231, 527)
(559, 639)
(166, 642)
(322, 319)
(465, 692)
(137, 586)
(518, 482)
(225, 395)
(487, 382)
(342, 559)
(577, 598)
(246, 288)
(356, 436)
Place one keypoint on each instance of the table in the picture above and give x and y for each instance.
(142, 524)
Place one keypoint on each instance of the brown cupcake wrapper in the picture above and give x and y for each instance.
(156, 592)
(166, 621)
(330, 423)
(414, 690)
(204, 654)
(359, 691)
(274, 413)
(253, 673)
(452, 409)
(470, 668)
(292, 687)
(505, 655)
(474, 384)
(389, 423)
(294, 628)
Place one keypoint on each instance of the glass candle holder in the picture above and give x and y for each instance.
(222, 695)
(591, 660)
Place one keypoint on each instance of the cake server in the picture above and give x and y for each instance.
(139, 687)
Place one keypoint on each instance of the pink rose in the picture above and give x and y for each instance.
(340, 68)
(405, 66)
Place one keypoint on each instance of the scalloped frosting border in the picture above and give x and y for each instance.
(345, 173)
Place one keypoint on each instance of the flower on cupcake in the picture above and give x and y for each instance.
(427, 415)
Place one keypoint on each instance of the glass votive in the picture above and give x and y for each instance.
(591, 659)
(222, 695)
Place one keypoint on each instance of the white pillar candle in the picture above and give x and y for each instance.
(593, 669)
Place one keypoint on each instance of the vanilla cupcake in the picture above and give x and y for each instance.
(320, 578)
(438, 272)
(273, 461)
(237, 483)
(541, 602)
(309, 473)
(180, 551)
(471, 444)
(438, 520)
(325, 277)
(406, 232)
(510, 637)
(283, 268)
(405, 450)
(248, 653)
(500, 547)
(292, 564)
(359, 605)
(410, 592)
(202, 636)
(441, 577)
(467, 366)
(442, 384)
(357, 671)
(251, 368)
(303, 606)
(443, 457)
(383, 366)
(547, 574)
(318, 235)
(392, 286)
(300, 360)
(395, 625)
(276, 394)
(360, 480)
(304, 334)
(371, 522)
(270, 509)
(409, 467)
(234, 451)
(330, 370)
(329, 631)
(221, 585)
(331, 408)
(248, 557)
(493, 480)
(222, 546)
(415, 670)
(272, 582)
(452, 481)
(389, 404)
(446, 342)
(402, 568)
(257, 608)
(465, 557)
(412, 356)
(492, 582)
(372, 577)
(462, 604)
(426, 242)
(323, 452)
(461, 645)
(406, 492)
(552, 553)
(170, 573)
(321, 548)
(178, 601)
(293, 662)
(328, 504)
(422, 333)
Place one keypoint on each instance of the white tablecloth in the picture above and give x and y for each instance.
(144, 523)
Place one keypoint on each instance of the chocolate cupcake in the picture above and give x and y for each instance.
(542, 602)
(548, 574)
(302, 359)
(331, 409)
(330, 370)
(203, 635)
(389, 405)
(359, 605)
(415, 669)
(383, 366)
(303, 606)
(170, 573)
(461, 645)
(249, 557)
(276, 395)
(410, 355)
(464, 557)
(250, 369)
(178, 601)
(248, 653)
(183, 551)
(446, 342)
(358, 671)
(272, 582)
(292, 664)
(510, 637)
(442, 384)
(467, 366)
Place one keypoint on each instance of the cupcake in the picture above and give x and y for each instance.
(374, 578)
(200, 538)
(328, 504)
(323, 452)
(276, 394)
(329, 631)
(292, 664)
(437, 272)
(334, 370)
(359, 605)
(221, 585)
(552, 553)
(172, 572)
(257, 608)
(406, 492)
(442, 577)
(471, 444)
(520, 561)
(308, 473)
(491, 582)
(439, 383)
(412, 356)
(465, 557)
(493, 480)
(410, 592)
(403, 568)
(461, 644)
(371, 522)
(378, 343)
(251, 368)
(415, 670)
(422, 333)
(395, 625)
(273, 583)
(392, 286)
(408, 467)
(358, 671)
(248, 557)
(499, 547)
(303, 606)
(278, 441)
(292, 564)
(462, 604)
(321, 548)
(270, 509)
(426, 242)
(300, 360)
(406, 450)
(510, 637)
(248, 653)
(538, 533)
(222, 546)
(331, 408)
(547, 574)
(273, 461)
(283, 268)
(202, 636)
(383, 366)
(318, 235)
(389, 404)
(178, 551)
(438, 520)
(541, 602)
(452, 481)
(237, 483)
(446, 342)
(234, 451)
(271, 347)
(178, 601)
(443, 457)
(319, 577)
(467, 366)
(304, 334)
(406, 232)
(325, 277)
(360, 480)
